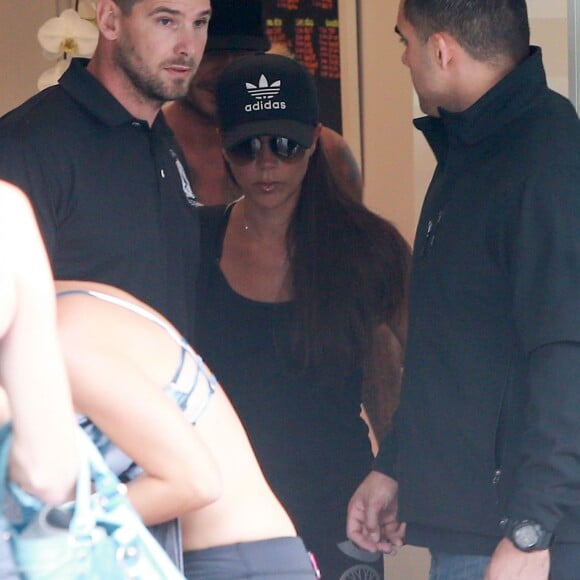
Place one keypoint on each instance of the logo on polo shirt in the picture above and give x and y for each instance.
(264, 93)
(185, 185)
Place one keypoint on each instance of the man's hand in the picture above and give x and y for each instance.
(509, 563)
(371, 520)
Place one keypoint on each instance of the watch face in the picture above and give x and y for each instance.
(526, 536)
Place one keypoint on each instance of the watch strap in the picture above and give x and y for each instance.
(527, 535)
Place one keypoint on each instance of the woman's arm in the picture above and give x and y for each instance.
(118, 365)
(43, 458)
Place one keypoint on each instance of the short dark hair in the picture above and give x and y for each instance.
(126, 5)
(237, 25)
(486, 29)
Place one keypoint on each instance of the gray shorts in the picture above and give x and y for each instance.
(277, 559)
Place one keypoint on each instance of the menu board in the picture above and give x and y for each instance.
(308, 30)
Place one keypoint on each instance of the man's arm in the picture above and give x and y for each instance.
(382, 379)
(343, 165)
(549, 474)
(29, 160)
(542, 266)
(548, 479)
(509, 563)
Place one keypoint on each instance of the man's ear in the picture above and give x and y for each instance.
(444, 47)
(107, 17)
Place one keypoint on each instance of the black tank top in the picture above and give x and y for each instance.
(307, 432)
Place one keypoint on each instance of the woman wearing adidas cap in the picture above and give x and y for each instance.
(301, 302)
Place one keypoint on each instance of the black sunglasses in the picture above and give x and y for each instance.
(283, 148)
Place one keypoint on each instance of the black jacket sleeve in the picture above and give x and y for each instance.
(543, 258)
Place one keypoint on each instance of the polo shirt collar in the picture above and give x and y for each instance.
(86, 90)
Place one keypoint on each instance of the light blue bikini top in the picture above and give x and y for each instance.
(191, 387)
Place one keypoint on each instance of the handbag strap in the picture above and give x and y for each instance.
(113, 510)
(92, 467)
(83, 520)
(107, 484)
(5, 438)
(5, 441)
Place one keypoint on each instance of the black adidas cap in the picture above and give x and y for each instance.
(266, 94)
(237, 25)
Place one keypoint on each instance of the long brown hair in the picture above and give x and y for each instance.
(349, 272)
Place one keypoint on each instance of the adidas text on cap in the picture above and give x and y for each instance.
(266, 94)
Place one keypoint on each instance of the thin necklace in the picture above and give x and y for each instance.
(283, 264)
(245, 226)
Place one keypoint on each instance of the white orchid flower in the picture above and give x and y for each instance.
(87, 9)
(50, 77)
(68, 35)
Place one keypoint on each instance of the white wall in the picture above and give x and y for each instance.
(21, 59)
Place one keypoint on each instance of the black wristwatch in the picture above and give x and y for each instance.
(526, 535)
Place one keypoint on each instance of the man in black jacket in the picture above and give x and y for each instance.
(483, 462)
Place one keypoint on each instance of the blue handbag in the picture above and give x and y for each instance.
(98, 536)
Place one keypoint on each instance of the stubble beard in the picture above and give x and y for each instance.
(148, 83)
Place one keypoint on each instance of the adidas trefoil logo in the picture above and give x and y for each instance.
(264, 90)
(264, 93)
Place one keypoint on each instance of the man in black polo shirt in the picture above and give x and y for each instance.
(100, 165)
